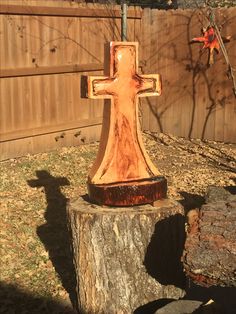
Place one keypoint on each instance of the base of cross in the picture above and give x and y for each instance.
(130, 193)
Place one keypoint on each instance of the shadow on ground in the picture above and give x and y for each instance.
(152, 307)
(191, 201)
(231, 189)
(16, 301)
(54, 233)
(225, 297)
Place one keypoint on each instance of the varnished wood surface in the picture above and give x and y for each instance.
(123, 173)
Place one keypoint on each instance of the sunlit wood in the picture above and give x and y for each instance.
(122, 159)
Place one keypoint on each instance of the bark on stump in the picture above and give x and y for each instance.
(126, 257)
(210, 250)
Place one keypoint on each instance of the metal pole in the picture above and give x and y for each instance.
(124, 21)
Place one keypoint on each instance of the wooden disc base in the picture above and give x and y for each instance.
(128, 193)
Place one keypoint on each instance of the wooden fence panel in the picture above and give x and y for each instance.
(46, 50)
(197, 100)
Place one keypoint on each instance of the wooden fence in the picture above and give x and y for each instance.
(197, 100)
(47, 45)
(45, 51)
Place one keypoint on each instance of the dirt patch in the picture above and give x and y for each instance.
(36, 268)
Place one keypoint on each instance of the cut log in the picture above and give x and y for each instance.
(210, 249)
(128, 256)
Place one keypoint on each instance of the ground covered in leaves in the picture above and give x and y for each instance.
(36, 268)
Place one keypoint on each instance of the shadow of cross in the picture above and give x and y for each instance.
(123, 173)
(54, 233)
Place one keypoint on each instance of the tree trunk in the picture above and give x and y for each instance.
(126, 257)
(210, 248)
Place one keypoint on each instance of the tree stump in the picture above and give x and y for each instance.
(210, 249)
(128, 256)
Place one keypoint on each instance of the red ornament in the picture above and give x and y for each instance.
(210, 41)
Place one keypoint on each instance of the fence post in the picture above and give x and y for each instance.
(123, 20)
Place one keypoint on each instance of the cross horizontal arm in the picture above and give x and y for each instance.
(98, 87)
(150, 86)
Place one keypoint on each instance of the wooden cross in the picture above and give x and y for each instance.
(123, 174)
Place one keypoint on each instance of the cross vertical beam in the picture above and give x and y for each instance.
(123, 173)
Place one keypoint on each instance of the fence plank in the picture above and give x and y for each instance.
(13, 135)
(47, 142)
(134, 13)
(46, 70)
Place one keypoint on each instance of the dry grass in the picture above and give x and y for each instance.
(36, 270)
